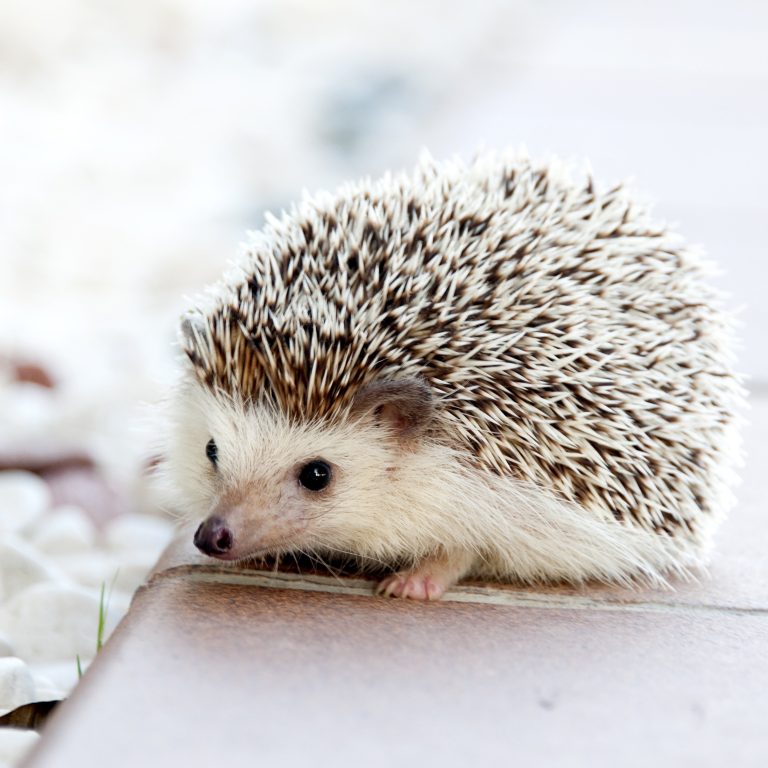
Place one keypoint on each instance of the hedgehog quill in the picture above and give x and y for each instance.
(486, 370)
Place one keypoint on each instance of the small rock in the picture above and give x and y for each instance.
(15, 743)
(66, 530)
(86, 488)
(52, 622)
(47, 690)
(30, 413)
(17, 686)
(6, 649)
(58, 677)
(90, 568)
(33, 374)
(23, 498)
(21, 565)
(133, 568)
(42, 459)
(139, 533)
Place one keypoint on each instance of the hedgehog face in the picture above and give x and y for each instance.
(262, 483)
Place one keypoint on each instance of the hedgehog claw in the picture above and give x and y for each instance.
(430, 579)
(414, 585)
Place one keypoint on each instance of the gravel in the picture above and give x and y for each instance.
(53, 564)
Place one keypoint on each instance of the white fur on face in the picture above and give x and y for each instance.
(255, 483)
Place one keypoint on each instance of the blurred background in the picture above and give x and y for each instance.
(140, 140)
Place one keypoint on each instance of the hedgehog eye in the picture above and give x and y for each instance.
(316, 475)
(212, 452)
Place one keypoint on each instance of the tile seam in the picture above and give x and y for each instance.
(461, 594)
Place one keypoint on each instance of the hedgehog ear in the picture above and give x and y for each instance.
(404, 404)
(192, 335)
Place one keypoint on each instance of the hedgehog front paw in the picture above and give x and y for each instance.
(415, 585)
(427, 581)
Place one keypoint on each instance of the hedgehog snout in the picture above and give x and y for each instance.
(214, 537)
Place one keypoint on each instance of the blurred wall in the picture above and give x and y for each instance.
(141, 139)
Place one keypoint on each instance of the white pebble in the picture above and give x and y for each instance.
(21, 565)
(133, 569)
(6, 649)
(17, 686)
(31, 411)
(47, 690)
(23, 498)
(66, 530)
(15, 743)
(90, 569)
(51, 622)
(139, 532)
(58, 678)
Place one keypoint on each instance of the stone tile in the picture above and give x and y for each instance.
(202, 673)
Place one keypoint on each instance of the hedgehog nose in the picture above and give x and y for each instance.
(214, 537)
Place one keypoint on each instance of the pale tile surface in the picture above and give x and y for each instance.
(201, 671)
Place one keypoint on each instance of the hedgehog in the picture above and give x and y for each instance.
(492, 370)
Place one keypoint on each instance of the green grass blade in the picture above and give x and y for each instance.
(102, 619)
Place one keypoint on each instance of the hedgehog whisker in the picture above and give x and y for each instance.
(313, 554)
(356, 555)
